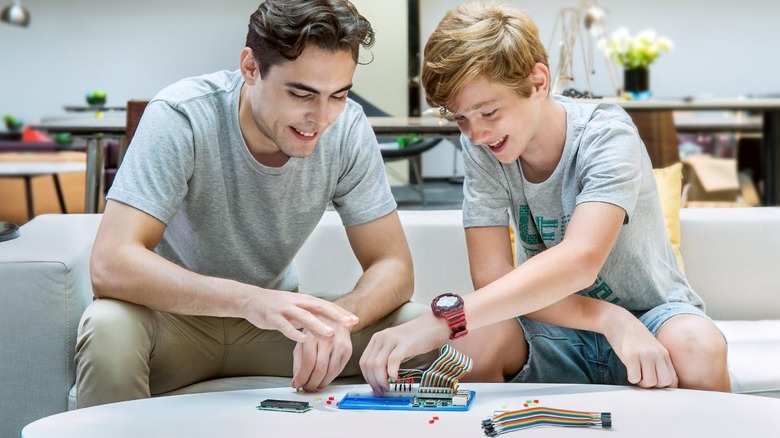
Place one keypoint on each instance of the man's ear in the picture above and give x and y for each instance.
(250, 68)
(540, 79)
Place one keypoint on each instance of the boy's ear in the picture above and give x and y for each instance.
(540, 79)
(250, 68)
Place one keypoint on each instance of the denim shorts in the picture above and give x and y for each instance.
(564, 355)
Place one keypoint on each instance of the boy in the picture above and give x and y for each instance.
(596, 296)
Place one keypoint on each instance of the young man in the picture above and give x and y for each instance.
(596, 296)
(225, 178)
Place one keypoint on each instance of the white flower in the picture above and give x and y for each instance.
(635, 52)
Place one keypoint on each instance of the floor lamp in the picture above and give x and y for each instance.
(588, 17)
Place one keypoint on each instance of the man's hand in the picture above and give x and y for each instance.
(389, 348)
(647, 362)
(288, 312)
(317, 361)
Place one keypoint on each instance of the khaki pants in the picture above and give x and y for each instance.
(126, 351)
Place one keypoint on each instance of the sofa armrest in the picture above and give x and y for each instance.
(45, 288)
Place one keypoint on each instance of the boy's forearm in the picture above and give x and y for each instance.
(582, 313)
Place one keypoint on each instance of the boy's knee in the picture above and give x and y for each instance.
(693, 337)
(699, 354)
(705, 369)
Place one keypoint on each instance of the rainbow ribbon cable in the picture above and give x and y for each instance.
(511, 421)
(446, 370)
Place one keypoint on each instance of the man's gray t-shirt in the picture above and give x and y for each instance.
(603, 160)
(227, 215)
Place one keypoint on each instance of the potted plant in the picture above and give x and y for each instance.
(635, 54)
(96, 97)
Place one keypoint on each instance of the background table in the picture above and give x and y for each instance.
(28, 170)
(635, 412)
(769, 110)
(770, 115)
(94, 130)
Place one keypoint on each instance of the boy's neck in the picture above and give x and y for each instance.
(541, 158)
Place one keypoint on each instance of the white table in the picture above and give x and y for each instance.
(28, 170)
(635, 412)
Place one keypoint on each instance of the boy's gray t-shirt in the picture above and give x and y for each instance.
(603, 160)
(227, 215)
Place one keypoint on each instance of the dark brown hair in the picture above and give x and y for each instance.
(281, 29)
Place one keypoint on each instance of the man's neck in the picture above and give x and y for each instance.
(257, 143)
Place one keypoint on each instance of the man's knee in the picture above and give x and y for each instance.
(114, 321)
(112, 352)
(111, 332)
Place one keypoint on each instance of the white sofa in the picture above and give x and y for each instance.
(732, 259)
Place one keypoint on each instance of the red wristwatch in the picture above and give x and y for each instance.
(450, 307)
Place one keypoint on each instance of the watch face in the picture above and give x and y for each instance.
(447, 302)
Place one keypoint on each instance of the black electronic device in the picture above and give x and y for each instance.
(284, 405)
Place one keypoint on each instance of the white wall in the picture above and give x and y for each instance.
(134, 48)
(724, 48)
(383, 82)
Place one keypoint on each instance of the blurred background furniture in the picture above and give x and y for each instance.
(659, 134)
(95, 133)
(21, 198)
(27, 170)
(769, 110)
(409, 146)
(135, 109)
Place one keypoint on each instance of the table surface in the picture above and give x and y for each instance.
(635, 412)
(436, 125)
(84, 125)
(93, 108)
(34, 168)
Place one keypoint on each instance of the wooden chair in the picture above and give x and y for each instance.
(658, 132)
(135, 109)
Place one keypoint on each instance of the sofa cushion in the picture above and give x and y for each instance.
(732, 259)
(669, 182)
(754, 356)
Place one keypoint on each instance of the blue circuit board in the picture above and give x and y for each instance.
(404, 402)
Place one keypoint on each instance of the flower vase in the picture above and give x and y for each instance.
(636, 83)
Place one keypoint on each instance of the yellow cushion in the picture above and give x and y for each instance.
(669, 182)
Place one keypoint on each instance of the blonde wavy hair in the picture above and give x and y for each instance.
(480, 38)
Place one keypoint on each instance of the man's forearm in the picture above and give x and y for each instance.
(383, 287)
(140, 276)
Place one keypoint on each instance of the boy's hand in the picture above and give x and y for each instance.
(392, 346)
(647, 362)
